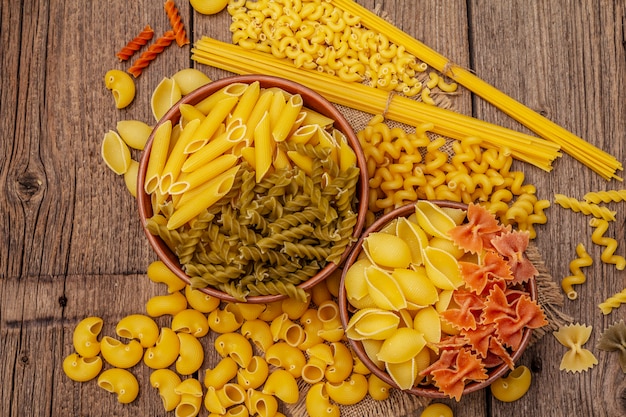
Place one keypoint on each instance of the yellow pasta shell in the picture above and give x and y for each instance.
(513, 386)
(164, 96)
(354, 280)
(442, 269)
(191, 354)
(414, 236)
(208, 7)
(130, 177)
(437, 410)
(384, 290)
(250, 311)
(166, 380)
(115, 153)
(134, 133)
(225, 320)
(81, 369)
(263, 405)
(387, 250)
(417, 288)
(401, 346)
(372, 323)
(85, 337)
(404, 374)
(433, 219)
(258, 331)
(428, 322)
(189, 79)
(121, 355)
(190, 321)
(120, 382)
(372, 347)
(341, 366)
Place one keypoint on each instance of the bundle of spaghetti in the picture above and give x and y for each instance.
(613, 302)
(176, 22)
(358, 96)
(611, 196)
(153, 51)
(583, 207)
(598, 160)
(136, 43)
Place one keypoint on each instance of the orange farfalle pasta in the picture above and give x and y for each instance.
(512, 246)
(153, 51)
(481, 277)
(136, 43)
(453, 368)
(176, 22)
(468, 313)
(479, 230)
(528, 314)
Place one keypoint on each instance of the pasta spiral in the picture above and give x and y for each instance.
(175, 21)
(136, 43)
(577, 277)
(153, 51)
(597, 197)
(610, 245)
(584, 207)
(613, 302)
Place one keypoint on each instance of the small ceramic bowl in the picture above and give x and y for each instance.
(346, 311)
(311, 100)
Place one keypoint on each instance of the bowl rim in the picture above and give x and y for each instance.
(313, 100)
(423, 391)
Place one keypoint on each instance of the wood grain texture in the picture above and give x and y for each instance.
(71, 245)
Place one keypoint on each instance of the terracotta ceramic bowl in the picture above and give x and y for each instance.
(311, 100)
(346, 311)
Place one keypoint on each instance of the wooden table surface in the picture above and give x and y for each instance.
(71, 245)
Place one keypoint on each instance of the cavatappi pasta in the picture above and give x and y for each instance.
(290, 216)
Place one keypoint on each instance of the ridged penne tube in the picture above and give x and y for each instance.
(247, 102)
(189, 112)
(190, 321)
(164, 96)
(191, 354)
(236, 346)
(262, 105)
(140, 327)
(259, 333)
(189, 79)
(288, 357)
(283, 386)
(214, 148)
(209, 193)
(177, 157)
(287, 118)
(134, 133)
(276, 106)
(263, 405)
(159, 272)
(318, 402)
(200, 176)
(253, 375)
(263, 147)
(234, 90)
(211, 124)
(164, 352)
(85, 337)
(304, 162)
(81, 369)
(224, 371)
(201, 301)
(158, 156)
(303, 134)
(115, 153)
(170, 304)
(121, 355)
(121, 382)
(165, 381)
(349, 391)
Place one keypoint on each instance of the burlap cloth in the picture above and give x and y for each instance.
(550, 298)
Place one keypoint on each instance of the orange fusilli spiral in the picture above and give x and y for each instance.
(153, 51)
(176, 23)
(136, 43)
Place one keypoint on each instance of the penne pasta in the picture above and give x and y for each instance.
(214, 119)
(214, 148)
(247, 102)
(263, 147)
(177, 157)
(158, 156)
(189, 181)
(287, 118)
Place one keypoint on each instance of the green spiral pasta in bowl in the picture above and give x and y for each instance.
(438, 299)
(252, 188)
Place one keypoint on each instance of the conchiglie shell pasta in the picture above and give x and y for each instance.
(189, 79)
(417, 288)
(402, 345)
(387, 250)
(372, 323)
(120, 382)
(404, 374)
(442, 269)
(121, 355)
(414, 236)
(433, 219)
(115, 153)
(81, 369)
(428, 322)
(384, 290)
(283, 386)
(130, 177)
(85, 337)
(191, 354)
(354, 281)
(372, 347)
(165, 381)
(164, 96)
(138, 326)
(134, 133)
